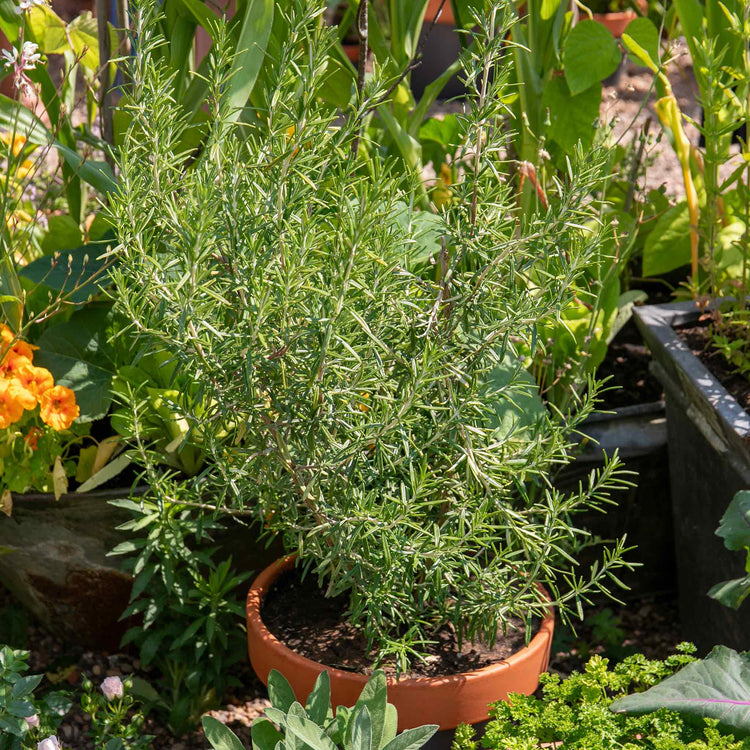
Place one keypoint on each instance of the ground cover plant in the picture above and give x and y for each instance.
(587, 710)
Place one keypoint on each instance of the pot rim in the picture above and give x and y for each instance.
(542, 639)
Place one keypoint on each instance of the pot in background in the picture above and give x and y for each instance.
(447, 701)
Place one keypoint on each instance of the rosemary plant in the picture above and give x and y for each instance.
(358, 390)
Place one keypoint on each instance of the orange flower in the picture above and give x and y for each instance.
(11, 406)
(36, 380)
(11, 363)
(58, 407)
(11, 346)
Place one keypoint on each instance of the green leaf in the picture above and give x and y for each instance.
(47, 29)
(280, 691)
(668, 244)
(308, 732)
(731, 593)
(319, 700)
(374, 697)
(412, 739)
(25, 686)
(109, 471)
(220, 736)
(572, 118)
(264, 735)
(390, 725)
(734, 528)
(718, 687)
(362, 730)
(77, 274)
(641, 38)
(591, 54)
(62, 233)
(515, 396)
(75, 353)
(95, 173)
(250, 52)
(84, 36)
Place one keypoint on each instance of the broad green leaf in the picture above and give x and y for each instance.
(515, 396)
(62, 233)
(390, 726)
(668, 244)
(717, 687)
(25, 685)
(572, 118)
(374, 697)
(219, 735)
(731, 593)
(264, 735)
(280, 691)
(591, 54)
(734, 528)
(77, 275)
(308, 732)
(9, 19)
(362, 731)
(84, 36)
(412, 739)
(75, 353)
(47, 29)
(319, 700)
(642, 33)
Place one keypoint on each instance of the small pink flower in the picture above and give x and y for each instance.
(112, 688)
(32, 721)
(50, 743)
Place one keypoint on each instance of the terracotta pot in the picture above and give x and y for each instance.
(446, 16)
(618, 21)
(446, 701)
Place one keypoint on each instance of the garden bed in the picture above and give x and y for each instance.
(648, 625)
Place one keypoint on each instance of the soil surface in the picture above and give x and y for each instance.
(298, 614)
(698, 338)
(625, 367)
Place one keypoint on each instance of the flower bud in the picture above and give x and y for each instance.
(32, 721)
(112, 688)
(50, 743)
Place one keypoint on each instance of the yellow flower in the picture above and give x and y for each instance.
(11, 363)
(11, 346)
(58, 407)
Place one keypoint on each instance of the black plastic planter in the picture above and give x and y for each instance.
(709, 460)
(643, 511)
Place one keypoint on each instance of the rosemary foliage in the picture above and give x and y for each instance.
(355, 393)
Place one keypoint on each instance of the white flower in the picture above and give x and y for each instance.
(112, 688)
(32, 721)
(27, 60)
(25, 5)
(29, 56)
(50, 743)
(9, 57)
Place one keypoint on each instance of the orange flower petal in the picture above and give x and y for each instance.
(58, 407)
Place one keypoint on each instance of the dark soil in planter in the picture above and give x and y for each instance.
(302, 618)
(627, 368)
(698, 338)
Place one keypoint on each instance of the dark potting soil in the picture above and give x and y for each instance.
(626, 367)
(307, 622)
(698, 338)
